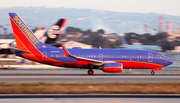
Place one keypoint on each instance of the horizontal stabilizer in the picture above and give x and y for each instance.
(18, 50)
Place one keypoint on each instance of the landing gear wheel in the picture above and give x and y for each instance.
(152, 73)
(90, 72)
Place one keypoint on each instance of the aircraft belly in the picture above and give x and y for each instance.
(139, 65)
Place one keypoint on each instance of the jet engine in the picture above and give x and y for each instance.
(112, 67)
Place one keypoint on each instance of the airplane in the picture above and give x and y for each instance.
(107, 60)
(51, 37)
(125, 45)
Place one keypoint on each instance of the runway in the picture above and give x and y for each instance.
(89, 78)
(90, 98)
(74, 71)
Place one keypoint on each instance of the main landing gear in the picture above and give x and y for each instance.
(152, 72)
(90, 72)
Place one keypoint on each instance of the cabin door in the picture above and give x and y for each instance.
(100, 57)
(150, 57)
(44, 56)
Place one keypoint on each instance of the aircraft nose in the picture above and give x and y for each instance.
(169, 61)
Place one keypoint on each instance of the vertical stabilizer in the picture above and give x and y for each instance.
(55, 31)
(25, 38)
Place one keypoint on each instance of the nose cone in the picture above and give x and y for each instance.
(168, 61)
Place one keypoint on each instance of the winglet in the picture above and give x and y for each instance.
(66, 52)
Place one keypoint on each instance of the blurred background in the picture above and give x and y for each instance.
(119, 24)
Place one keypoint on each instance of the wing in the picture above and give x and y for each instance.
(68, 54)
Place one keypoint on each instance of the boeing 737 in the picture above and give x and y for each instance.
(107, 60)
(125, 45)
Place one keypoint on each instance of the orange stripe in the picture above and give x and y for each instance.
(27, 54)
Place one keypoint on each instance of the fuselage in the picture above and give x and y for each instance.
(135, 59)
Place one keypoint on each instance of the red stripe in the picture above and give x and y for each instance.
(139, 65)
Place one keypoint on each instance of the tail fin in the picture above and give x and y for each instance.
(40, 33)
(55, 31)
(24, 37)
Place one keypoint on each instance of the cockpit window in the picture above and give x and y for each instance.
(161, 56)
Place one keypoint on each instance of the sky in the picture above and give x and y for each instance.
(170, 7)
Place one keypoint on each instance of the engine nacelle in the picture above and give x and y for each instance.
(113, 67)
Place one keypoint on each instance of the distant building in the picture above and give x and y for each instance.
(175, 37)
(178, 31)
(145, 28)
(111, 37)
(72, 36)
(160, 24)
(71, 44)
(169, 28)
(177, 48)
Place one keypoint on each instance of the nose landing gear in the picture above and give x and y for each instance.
(90, 72)
(152, 72)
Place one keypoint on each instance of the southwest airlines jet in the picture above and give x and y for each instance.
(107, 60)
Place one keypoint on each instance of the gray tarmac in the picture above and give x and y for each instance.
(69, 75)
(75, 71)
(89, 78)
(90, 98)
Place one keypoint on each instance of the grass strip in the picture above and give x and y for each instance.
(90, 88)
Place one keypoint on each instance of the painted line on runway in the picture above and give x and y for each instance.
(90, 77)
(89, 96)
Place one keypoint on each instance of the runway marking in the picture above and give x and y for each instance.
(56, 71)
(51, 76)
